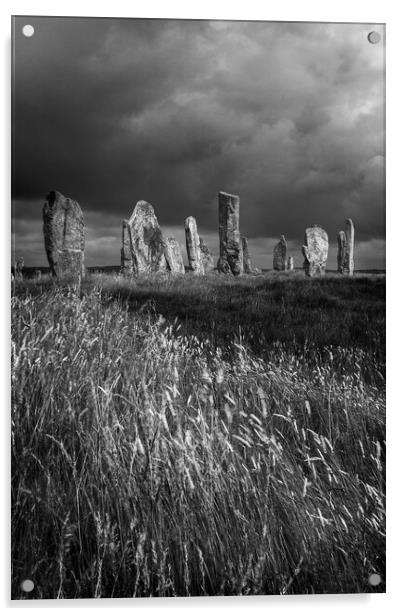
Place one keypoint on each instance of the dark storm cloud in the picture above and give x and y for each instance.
(289, 116)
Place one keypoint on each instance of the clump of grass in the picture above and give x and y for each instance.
(150, 462)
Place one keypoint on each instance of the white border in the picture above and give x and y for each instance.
(380, 11)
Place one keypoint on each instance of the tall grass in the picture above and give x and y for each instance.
(147, 461)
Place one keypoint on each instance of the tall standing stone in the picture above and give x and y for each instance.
(127, 258)
(290, 264)
(315, 251)
(143, 245)
(64, 235)
(350, 247)
(193, 246)
(280, 255)
(173, 256)
(206, 257)
(346, 241)
(341, 251)
(230, 246)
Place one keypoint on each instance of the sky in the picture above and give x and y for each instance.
(289, 116)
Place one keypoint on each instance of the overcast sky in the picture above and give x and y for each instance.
(290, 116)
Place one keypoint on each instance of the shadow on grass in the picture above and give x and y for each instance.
(275, 309)
(262, 311)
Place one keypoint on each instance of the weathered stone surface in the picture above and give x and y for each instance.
(64, 235)
(280, 255)
(173, 256)
(315, 251)
(290, 264)
(230, 245)
(223, 266)
(18, 268)
(193, 246)
(341, 251)
(143, 245)
(206, 257)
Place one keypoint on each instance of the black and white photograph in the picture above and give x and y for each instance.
(198, 304)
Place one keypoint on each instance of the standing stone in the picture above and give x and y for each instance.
(341, 251)
(346, 241)
(173, 256)
(247, 267)
(143, 245)
(127, 268)
(315, 251)
(18, 268)
(350, 247)
(247, 264)
(37, 274)
(290, 264)
(280, 252)
(206, 257)
(64, 234)
(230, 246)
(193, 246)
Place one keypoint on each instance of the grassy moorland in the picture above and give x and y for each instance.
(195, 436)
